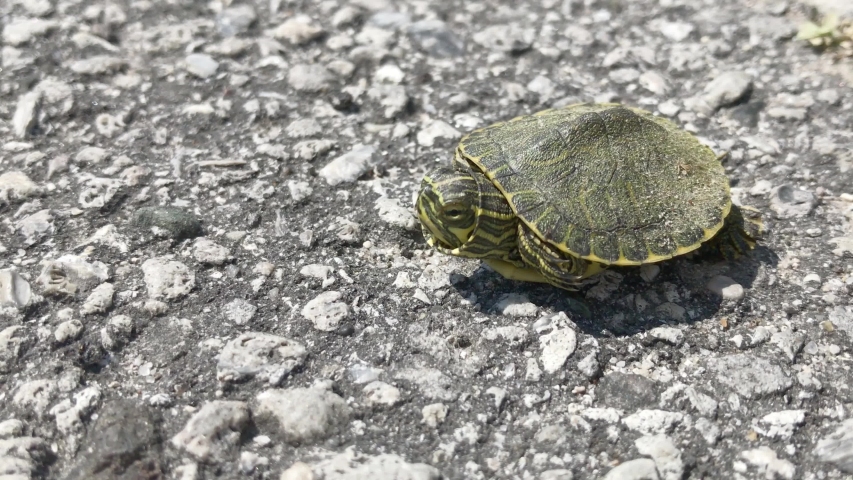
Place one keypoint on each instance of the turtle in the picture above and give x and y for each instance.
(560, 195)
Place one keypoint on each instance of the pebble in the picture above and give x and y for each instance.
(589, 366)
(652, 422)
(325, 311)
(511, 38)
(67, 331)
(434, 414)
(24, 118)
(35, 396)
(672, 311)
(70, 273)
(769, 464)
(676, 31)
(299, 190)
(239, 311)
(350, 166)
(726, 288)
(389, 73)
(235, 20)
(726, 89)
(393, 98)
(167, 279)
(212, 431)
(176, 223)
(627, 391)
(303, 127)
(812, 280)
(666, 455)
(435, 38)
(637, 469)
(837, 447)
(780, 425)
(516, 305)
(432, 383)
(201, 65)
(298, 30)
(557, 347)
(673, 336)
(381, 393)
(207, 251)
(438, 133)
(303, 415)
(35, 227)
(789, 202)
(15, 291)
(98, 65)
(99, 300)
(624, 75)
(750, 376)
(19, 32)
(309, 77)
(393, 213)
(21, 456)
(655, 83)
(265, 357)
(385, 466)
(117, 332)
(16, 185)
(761, 187)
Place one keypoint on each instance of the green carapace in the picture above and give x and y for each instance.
(559, 195)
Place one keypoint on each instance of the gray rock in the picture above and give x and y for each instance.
(35, 227)
(67, 331)
(790, 202)
(505, 38)
(16, 185)
(303, 127)
(268, 358)
(235, 20)
(325, 311)
(172, 222)
(393, 98)
(381, 393)
(35, 396)
(432, 383)
(201, 65)
(438, 133)
(15, 291)
(24, 118)
(653, 422)
(207, 251)
(14, 342)
(557, 347)
(393, 213)
(516, 305)
(117, 332)
(726, 288)
(435, 38)
(92, 155)
(627, 391)
(750, 376)
(213, 430)
(670, 335)
(303, 415)
(842, 319)
(166, 278)
(837, 447)
(637, 469)
(98, 65)
(239, 311)
(70, 273)
(780, 425)
(386, 466)
(309, 77)
(298, 30)
(769, 464)
(726, 89)
(666, 455)
(350, 166)
(22, 457)
(589, 365)
(19, 32)
(99, 300)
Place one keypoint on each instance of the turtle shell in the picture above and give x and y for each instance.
(603, 182)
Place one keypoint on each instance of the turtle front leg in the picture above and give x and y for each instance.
(742, 228)
(555, 267)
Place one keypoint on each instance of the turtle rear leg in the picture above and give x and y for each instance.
(741, 230)
(555, 267)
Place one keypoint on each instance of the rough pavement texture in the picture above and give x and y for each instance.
(209, 265)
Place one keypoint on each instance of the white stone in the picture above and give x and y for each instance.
(637, 469)
(350, 166)
(15, 291)
(99, 300)
(516, 305)
(216, 427)
(768, 464)
(167, 279)
(393, 213)
(557, 347)
(381, 393)
(325, 311)
(726, 288)
(303, 414)
(207, 251)
(434, 414)
(268, 358)
(437, 133)
(666, 455)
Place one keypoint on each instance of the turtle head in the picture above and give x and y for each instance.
(447, 207)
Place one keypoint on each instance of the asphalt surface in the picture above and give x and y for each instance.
(210, 266)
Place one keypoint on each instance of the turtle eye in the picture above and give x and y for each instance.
(454, 211)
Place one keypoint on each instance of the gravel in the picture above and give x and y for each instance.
(211, 266)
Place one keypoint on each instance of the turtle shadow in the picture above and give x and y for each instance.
(620, 302)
